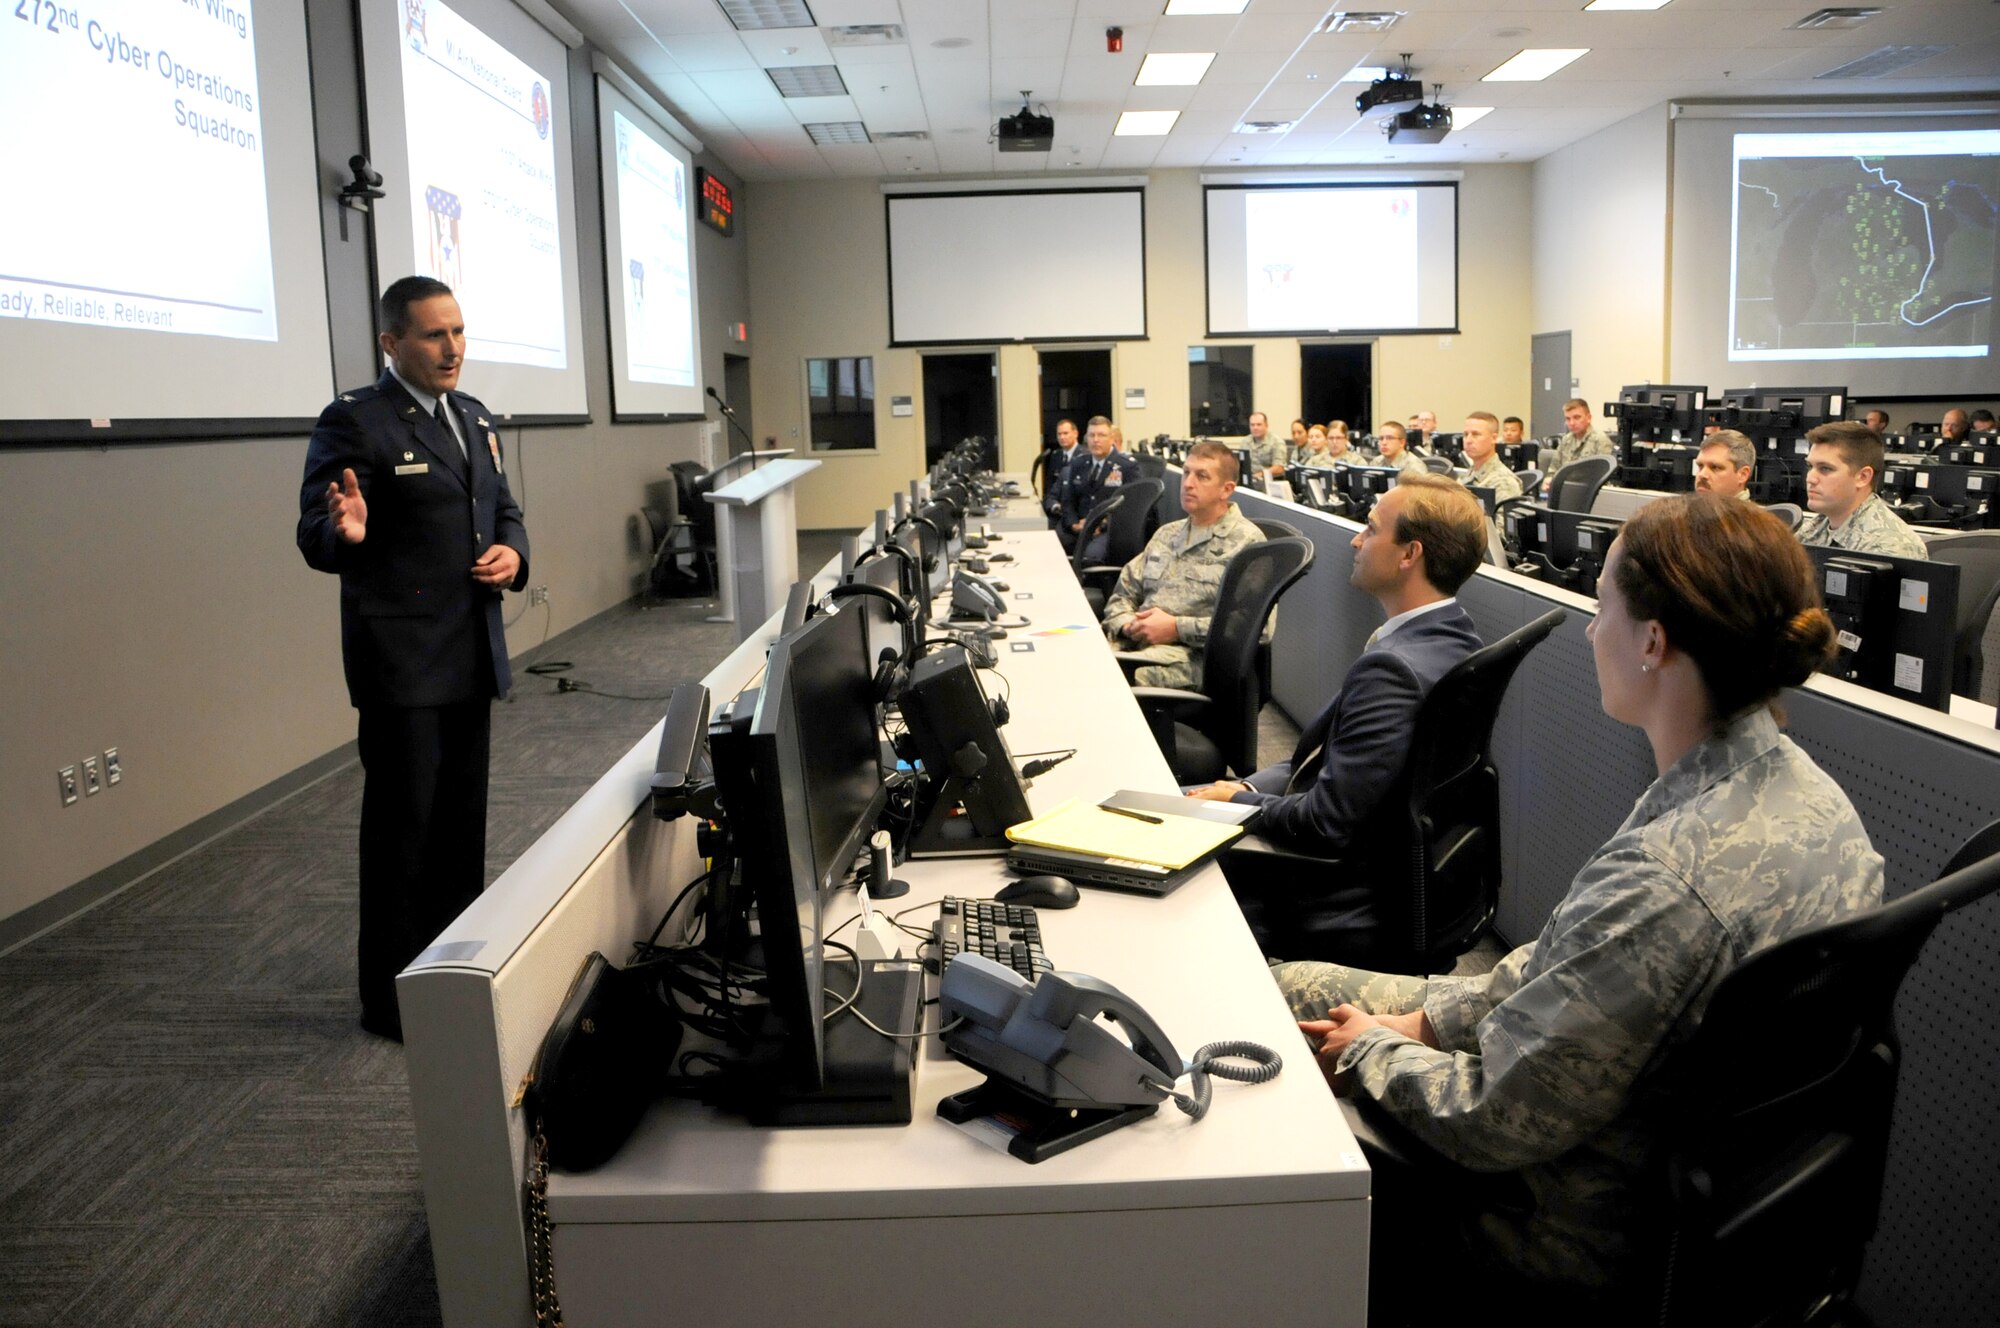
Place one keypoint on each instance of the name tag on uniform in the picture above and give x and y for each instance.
(421, 468)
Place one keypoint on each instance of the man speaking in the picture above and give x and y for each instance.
(405, 499)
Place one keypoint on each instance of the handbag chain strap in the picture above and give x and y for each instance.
(541, 1244)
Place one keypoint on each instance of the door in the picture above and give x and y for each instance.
(736, 389)
(961, 401)
(1548, 360)
(1076, 384)
(1336, 382)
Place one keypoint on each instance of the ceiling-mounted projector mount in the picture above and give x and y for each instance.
(1392, 94)
(1421, 123)
(1024, 131)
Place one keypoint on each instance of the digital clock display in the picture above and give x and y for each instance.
(718, 205)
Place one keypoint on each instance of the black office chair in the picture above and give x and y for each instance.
(690, 482)
(1128, 527)
(1152, 466)
(1276, 529)
(1978, 558)
(1438, 465)
(1203, 733)
(1092, 519)
(1790, 513)
(1434, 861)
(677, 568)
(1576, 484)
(1772, 1171)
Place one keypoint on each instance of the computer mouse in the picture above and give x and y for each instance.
(1041, 892)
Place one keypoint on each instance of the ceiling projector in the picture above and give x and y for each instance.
(1024, 131)
(1390, 96)
(1425, 124)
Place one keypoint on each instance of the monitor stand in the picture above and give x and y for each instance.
(945, 832)
(869, 1079)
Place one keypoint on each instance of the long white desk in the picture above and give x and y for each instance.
(735, 1225)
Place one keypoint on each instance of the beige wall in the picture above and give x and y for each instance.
(1600, 254)
(803, 305)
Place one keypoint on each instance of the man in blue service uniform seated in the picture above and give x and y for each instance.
(1055, 470)
(1841, 468)
(1094, 476)
(1423, 539)
(1165, 597)
(405, 499)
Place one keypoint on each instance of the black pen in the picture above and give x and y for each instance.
(1127, 811)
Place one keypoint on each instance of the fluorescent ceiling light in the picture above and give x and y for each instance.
(752, 15)
(838, 131)
(1136, 124)
(1176, 8)
(1177, 71)
(1364, 74)
(1601, 6)
(1533, 66)
(1461, 116)
(808, 81)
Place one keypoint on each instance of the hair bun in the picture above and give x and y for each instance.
(1805, 643)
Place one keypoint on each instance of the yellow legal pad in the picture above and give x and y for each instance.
(1078, 826)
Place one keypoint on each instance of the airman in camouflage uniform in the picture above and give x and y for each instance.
(1179, 572)
(1554, 1065)
(1494, 475)
(1874, 528)
(1267, 451)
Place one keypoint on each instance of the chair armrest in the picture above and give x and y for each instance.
(1100, 567)
(1167, 695)
(1259, 846)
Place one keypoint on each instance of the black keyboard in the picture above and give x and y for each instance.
(1007, 934)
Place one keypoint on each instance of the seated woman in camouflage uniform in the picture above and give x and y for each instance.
(1552, 1066)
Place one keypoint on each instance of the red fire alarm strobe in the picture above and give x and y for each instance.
(1114, 40)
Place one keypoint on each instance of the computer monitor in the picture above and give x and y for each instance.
(1659, 412)
(1897, 622)
(965, 761)
(1314, 487)
(1364, 485)
(800, 785)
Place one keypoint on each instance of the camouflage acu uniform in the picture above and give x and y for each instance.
(1409, 463)
(1873, 528)
(1273, 451)
(1179, 571)
(1571, 448)
(1494, 475)
(1322, 460)
(1554, 1064)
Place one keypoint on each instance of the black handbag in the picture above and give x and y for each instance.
(601, 1062)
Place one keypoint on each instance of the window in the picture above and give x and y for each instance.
(840, 403)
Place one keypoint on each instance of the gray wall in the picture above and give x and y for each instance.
(154, 601)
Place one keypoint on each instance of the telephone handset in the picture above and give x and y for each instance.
(972, 597)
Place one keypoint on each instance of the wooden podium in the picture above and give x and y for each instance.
(757, 537)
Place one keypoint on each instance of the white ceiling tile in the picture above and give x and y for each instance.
(769, 47)
(706, 52)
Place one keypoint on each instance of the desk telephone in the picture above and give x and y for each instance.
(1053, 1065)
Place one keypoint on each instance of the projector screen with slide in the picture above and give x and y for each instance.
(1305, 259)
(468, 113)
(165, 221)
(1860, 251)
(649, 261)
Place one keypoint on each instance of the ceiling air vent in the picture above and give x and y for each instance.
(1886, 60)
(866, 34)
(1359, 20)
(1851, 17)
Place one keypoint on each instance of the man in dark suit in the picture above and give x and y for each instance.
(1094, 476)
(405, 499)
(1055, 470)
(1423, 539)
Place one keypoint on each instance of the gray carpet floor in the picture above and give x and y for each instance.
(193, 1127)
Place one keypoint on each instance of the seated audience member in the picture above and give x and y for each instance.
(1423, 428)
(1316, 452)
(1165, 597)
(1877, 419)
(1551, 1066)
(1982, 421)
(1840, 491)
(1093, 476)
(1395, 451)
(1725, 464)
(1424, 537)
(1266, 453)
(1298, 439)
(1482, 456)
(1582, 440)
(1512, 430)
(1339, 444)
(1056, 467)
(1956, 425)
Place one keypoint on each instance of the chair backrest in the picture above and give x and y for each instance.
(1276, 529)
(1438, 465)
(1251, 586)
(1774, 1146)
(1152, 466)
(1791, 513)
(1101, 512)
(1132, 523)
(1576, 484)
(1978, 558)
(1454, 796)
(701, 514)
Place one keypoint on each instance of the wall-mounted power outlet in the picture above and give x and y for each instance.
(113, 771)
(93, 777)
(66, 784)
(537, 595)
